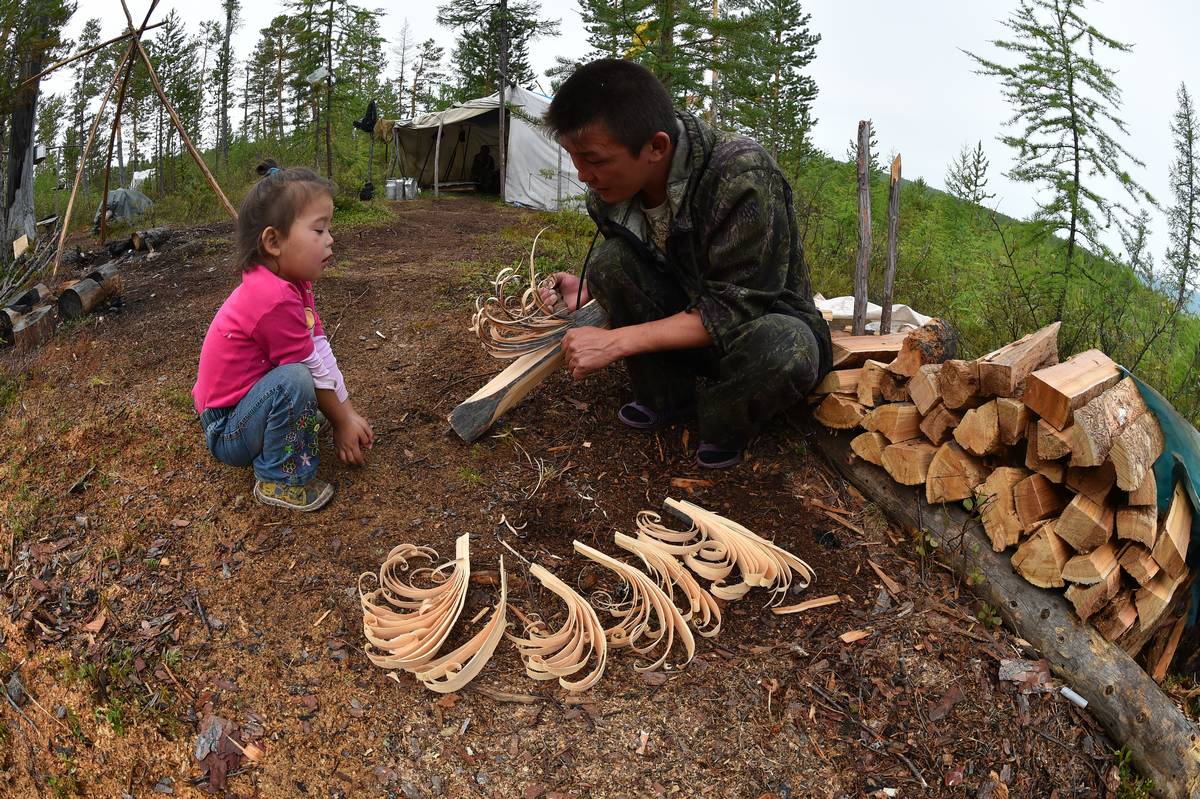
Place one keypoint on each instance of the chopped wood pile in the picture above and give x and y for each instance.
(1056, 458)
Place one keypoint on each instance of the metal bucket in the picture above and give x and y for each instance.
(409, 189)
(391, 189)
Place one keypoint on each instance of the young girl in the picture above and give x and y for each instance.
(266, 366)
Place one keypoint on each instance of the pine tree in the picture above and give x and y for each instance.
(477, 47)
(87, 73)
(966, 177)
(1183, 216)
(428, 78)
(50, 114)
(225, 71)
(1064, 104)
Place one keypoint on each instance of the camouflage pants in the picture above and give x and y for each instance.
(769, 363)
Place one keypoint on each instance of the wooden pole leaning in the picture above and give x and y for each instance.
(862, 264)
(87, 52)
(893, 230)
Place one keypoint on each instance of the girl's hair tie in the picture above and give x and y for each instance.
(272, 171)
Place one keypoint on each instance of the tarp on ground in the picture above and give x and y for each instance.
(125, 204)
(539, 172)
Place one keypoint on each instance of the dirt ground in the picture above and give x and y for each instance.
(146, 595)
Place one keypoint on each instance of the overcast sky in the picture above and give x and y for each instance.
(899, 64)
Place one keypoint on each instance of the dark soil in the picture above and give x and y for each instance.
(214, 607)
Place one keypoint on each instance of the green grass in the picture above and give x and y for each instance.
(1133, 785)
(10, 388)
(470, 476)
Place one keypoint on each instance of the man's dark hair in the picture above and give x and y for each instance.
(626, 97)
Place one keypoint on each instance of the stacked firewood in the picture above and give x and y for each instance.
(1057, 459)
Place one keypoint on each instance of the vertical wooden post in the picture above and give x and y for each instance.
(862, 265)
(893, 227)
(503, 87)
(329, 94)
(437, 160)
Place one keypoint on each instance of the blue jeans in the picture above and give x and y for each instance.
(274, 427)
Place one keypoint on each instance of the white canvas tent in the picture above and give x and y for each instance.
(540, 173)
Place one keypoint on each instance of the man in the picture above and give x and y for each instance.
(484, 172)
(701, 270)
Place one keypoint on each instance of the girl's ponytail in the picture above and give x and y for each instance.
(274, 201)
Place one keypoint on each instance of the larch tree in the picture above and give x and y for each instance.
(225, 73)
(428, 79)
(967, 178)
(476, 54)
(403, 52)
(1183, 215)
(1065, 112)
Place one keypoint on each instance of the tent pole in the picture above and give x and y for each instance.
(437, 159)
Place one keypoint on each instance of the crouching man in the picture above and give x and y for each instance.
(701, 269)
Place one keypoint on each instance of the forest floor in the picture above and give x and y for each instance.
(145, 594)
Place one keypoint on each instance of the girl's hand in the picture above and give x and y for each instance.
(351, 438)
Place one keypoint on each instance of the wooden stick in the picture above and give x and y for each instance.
(862, 263)
(477, 413)
(87, 52)
(893, 226)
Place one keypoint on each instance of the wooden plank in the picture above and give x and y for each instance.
(959, 383)
(1055, 392)
(898, 421)
(1096, 423)
(1036, 498)
(997, 509)
(1170, 550)
(1002, 373)
(840, 412)
(477, 413)
(928, 345)
(1089, 568)
(979, 430)
(924, 388)
(1138, 523)
(1135, 449)
(953, 474)
(1012, 417)
(1041, 558)
(851, 351)
(908, 462)
(939, 425)
(839, 381)
(1135, 559)
(1085, 524)
(1087, 599)
(1122, 697)
(870, 446)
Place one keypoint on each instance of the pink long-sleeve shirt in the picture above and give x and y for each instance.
(265, 322)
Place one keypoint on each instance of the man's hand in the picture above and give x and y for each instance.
(590, 349)
(351, 438)
(566, 287)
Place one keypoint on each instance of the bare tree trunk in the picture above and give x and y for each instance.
(18, 212)
(503, 87)
(329, 92)
(862, 264)
(893, 229)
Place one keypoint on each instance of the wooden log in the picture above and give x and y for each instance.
(893, 229)
(1091, 435)
(1055, 471)
(851, 351)
(1086, 525)
(8, 318)
(1087, 599)
(1053, 393)
(979, 430)
(997, 509)
(152, 239)
(840, 412)
(1037, 498)
(34, 328)
(908, 462)
(1089, 568)
(1097, 483)
(862, 264)
(1135, 449)
(1147, 491)
(81, 299)
(1137, 562)
(1040, 558)
(870, 446)
(35, 296)
(1012, 417)
(1052, 445)
(898, 421)
(1121, 696)
(1154, 597)
(1170, 550)
(870, 390)
(1002, 373)
(953, 475)
(1117, 617)
(924, 388)
(477, 413)
(839, 381)
(939, 425)
(928, 345)
(1138, 523)
(959, 383)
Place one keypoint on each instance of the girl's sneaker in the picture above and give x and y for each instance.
(311, 496)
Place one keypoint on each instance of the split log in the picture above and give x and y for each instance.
(840, 412)
(908, 462)
(953, 475)
(1085, 524)
(979, 430)
(870, 390)
(34, 328)
(1137, 562)
(1012, 417)
(939, 425)
(1087, 599)
(1115, 619)
(959, 383)
(997, 509)
(8, 317)
(850, 351)
(925, 389)
(1089, 568)
(1153, 598)
(1170, 550)
(152, 239)
(1135, 450)
(1091, 436)
(477, 413)
(1053, 393)
(870, 446)
(898, 421)
(1041, 558)
(1052, 444)
(1037, 498)
(1002, 373)
(1121, 696)
(1097, 483)
(1138, 523)
(35, 296)
(931, 343)
(1147, 491)
(1055, 471)
(839, 381)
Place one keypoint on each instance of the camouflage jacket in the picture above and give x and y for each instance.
(733, 241)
